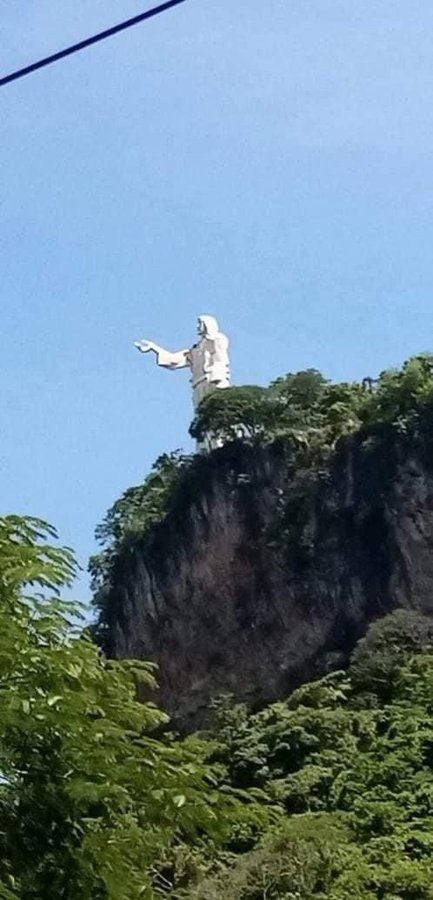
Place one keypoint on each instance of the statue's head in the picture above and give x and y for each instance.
(207, 326)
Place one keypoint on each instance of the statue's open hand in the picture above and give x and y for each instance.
(144, 346)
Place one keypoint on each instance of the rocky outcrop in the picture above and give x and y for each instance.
(247, 588)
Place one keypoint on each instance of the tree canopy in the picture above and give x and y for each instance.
(89, 797)
(305, 403)
(325, 795)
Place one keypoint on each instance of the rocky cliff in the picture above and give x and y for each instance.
(261, 577)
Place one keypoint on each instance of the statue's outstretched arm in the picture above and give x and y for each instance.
(164, 358)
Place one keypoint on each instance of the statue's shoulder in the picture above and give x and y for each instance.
(222, 339)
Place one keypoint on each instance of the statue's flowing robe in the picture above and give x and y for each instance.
(208, 361)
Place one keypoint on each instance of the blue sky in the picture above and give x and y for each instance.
(266, 162)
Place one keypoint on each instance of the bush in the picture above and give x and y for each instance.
(387, 644)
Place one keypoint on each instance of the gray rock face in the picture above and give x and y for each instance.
(223, 603)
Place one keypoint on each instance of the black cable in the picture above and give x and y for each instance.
(88, 41)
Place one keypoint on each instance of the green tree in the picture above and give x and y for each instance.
(402, 395)
(356, 783)
(88, 796)
(246, 413)
(298, 859)
(389, 642)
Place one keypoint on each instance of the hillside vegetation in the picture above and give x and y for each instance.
(325, 794)
(309, 418)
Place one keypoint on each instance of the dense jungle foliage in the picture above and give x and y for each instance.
(326, 795)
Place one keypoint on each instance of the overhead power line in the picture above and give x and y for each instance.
(68, 51)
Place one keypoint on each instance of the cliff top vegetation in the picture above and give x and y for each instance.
(305, 413)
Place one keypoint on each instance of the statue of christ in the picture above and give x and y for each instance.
(208, 359)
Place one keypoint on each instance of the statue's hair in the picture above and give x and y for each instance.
(211, 326)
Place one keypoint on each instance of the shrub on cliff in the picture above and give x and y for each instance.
(378, 656)
(403, 395)
(303, 407)
(306, 403)
(130, 519)
(247, 413)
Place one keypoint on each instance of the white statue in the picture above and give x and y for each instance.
(208, 360)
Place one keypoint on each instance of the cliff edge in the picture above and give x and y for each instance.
(262, 576)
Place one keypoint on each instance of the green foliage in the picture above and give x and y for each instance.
(297, 860)
(26, 557)
(311, 411)
(246, 412)
(321, 796)
(88, 796)
(402, 397)
(356, 782)
(378, 656)
(302, 407)
(132, 517)
(141, 507)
